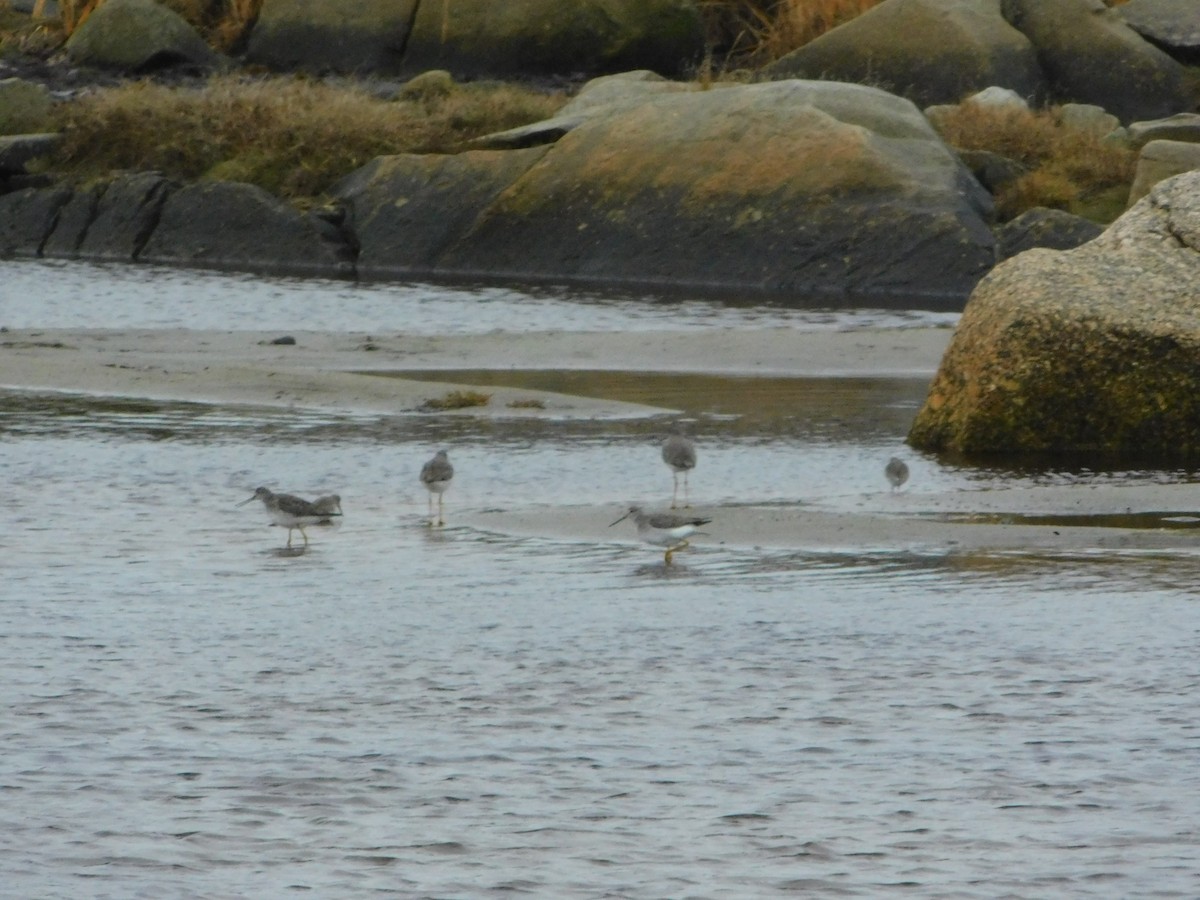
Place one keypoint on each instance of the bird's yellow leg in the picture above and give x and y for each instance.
(304, 535)
(289, 543)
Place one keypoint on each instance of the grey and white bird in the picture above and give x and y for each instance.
(436, 475)
(330, 505)
(663, 529)
(290, 511)
(896, 471)
(679, 452)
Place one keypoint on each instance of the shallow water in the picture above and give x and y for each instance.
(191, 711)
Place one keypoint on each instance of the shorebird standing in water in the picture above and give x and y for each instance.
(436, 475)
(679, 453)
(896, 471)
(664, 529)
(289, 511)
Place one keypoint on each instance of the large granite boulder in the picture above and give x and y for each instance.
(564, 37)
(240, 226)
(1089, 55)
(138, 36)
(331, 35)
(1091, 354)
(1173, 25)
(932, 51)
(792, 187)
(472, 38)
(1158, 161)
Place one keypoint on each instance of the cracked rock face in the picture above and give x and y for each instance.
(1089, 354)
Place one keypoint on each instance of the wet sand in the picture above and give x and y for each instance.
(333, 371)
(326, 370)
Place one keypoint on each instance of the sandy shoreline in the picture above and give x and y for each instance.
(331, 371)
(324, 370)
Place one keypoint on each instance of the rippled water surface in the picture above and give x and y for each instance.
(189, 711)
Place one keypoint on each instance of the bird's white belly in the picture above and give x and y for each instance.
(664, 537)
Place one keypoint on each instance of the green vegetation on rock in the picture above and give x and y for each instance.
(292, 136)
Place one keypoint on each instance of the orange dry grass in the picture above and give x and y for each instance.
(288, 135)
(760, 31)
(1067, 166)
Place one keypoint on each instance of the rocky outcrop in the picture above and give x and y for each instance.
(1179, 127)
(1089, 55)
(931, 51)
(473, 38)
(1160, 160)
(1173, 25)
(406, 211)
(1054, 229)
(796, 187)
(27, 217)
(243, 227)
(138, 36)
(147, 218)
(1092, 353)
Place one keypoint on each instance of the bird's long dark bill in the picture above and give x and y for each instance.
(247, 500)
(622, 519)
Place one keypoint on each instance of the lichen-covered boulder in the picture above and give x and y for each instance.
(240, 226)
(1090, 55)
(932, 51)
(331, 35)
(138, 36)
(563, 37)
(787, 187)
(1091, 354)
(1054, 229)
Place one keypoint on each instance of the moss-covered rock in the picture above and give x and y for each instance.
(136, 36)
(1091, 354)
(24, 106)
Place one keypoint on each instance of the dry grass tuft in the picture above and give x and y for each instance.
(292, 136)
(1068, 167)
(756, 32)
(530, 403)
(457, 400)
